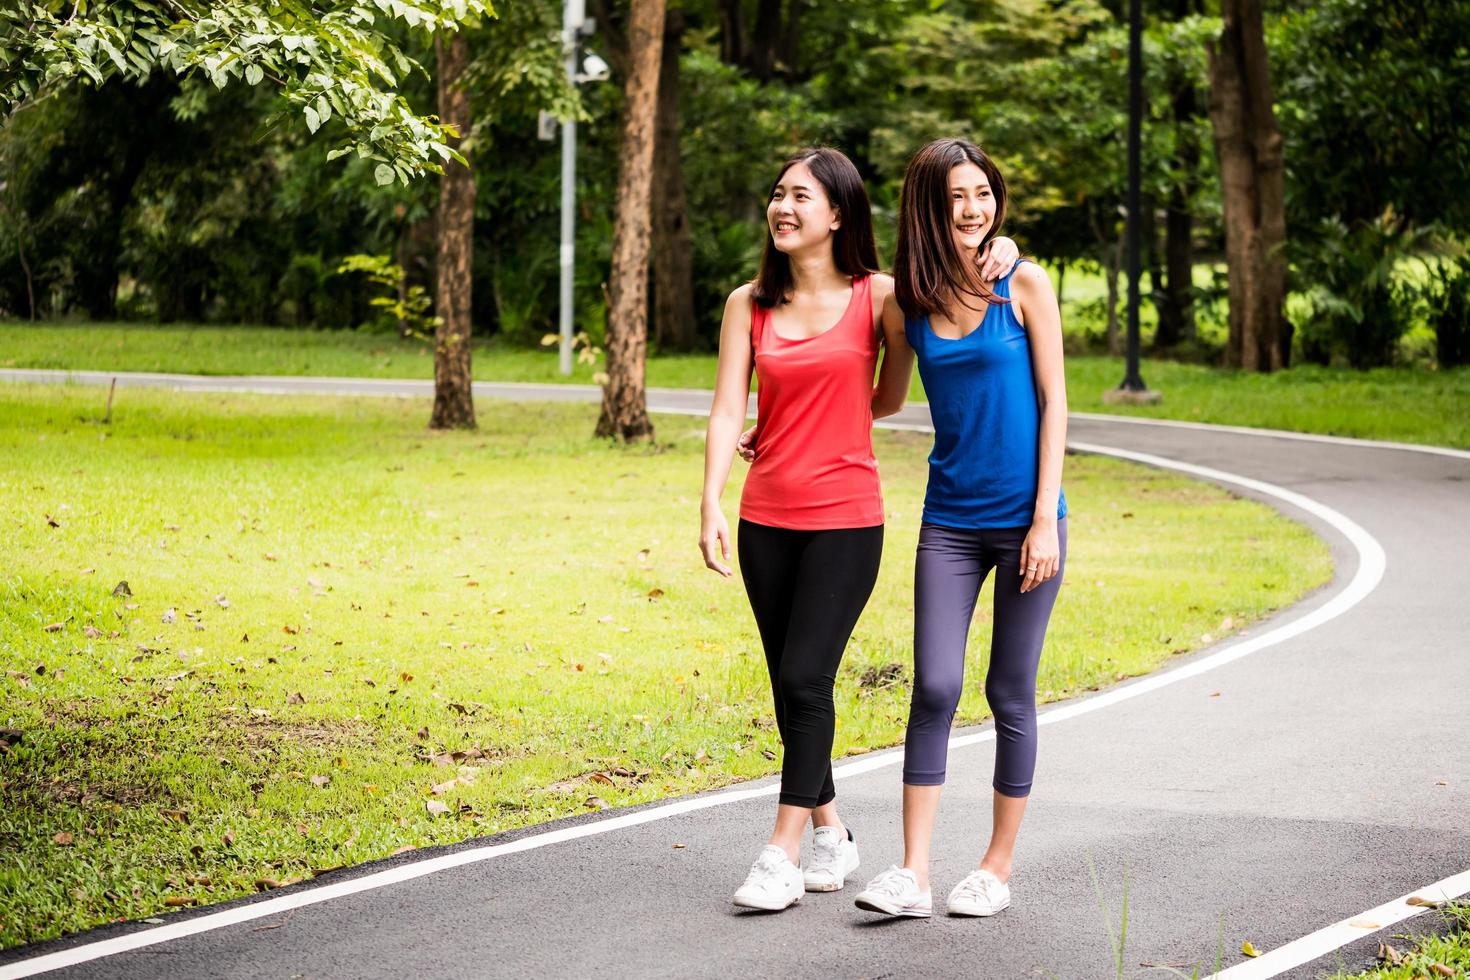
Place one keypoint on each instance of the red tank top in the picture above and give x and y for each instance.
(814, 467)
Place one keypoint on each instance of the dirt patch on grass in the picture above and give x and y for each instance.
(316, 733)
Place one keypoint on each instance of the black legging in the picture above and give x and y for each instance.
(807, 589)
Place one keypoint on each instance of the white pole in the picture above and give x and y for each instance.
(574, 14)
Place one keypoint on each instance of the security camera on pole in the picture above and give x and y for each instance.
(575, 26)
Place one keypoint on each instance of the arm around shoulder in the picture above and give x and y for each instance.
(898, 361)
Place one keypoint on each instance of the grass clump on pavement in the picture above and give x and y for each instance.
(1408, 404)
(343, 635)
(1425, 956)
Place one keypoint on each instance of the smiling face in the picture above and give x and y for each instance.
(799, 213)
(972, 205)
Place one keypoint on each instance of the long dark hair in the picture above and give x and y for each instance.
(853, 248)
(930, 273)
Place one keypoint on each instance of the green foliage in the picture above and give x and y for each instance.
(404, 306)
(1448, 300)
(1372, 107)
(1360, 308)
(328, 59)
(159, 195)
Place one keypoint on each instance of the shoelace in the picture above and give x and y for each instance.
(764, 870)
(824, 855)
(891, 883)
(976, 887)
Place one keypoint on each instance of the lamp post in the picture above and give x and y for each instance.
(574, 16)
(1133, 390)
(575, 26)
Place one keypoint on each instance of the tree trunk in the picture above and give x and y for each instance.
(761, 56)
(732, 32)
(1111, 264)
(1252, 189)
(673, 277)
(624, 401)
(789, 49)
(1176, 315)
(454, 406)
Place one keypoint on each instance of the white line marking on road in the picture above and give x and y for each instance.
(1339, 934)
(1371, 565)
(1246, 430)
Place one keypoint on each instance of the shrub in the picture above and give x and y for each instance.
(1358, 308)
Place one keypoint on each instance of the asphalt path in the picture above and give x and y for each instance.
(1257, 790)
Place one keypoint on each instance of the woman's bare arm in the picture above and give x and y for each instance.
(726, 417)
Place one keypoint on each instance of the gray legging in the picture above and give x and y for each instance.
(949, 569)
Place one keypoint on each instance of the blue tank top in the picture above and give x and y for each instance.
(982, 398)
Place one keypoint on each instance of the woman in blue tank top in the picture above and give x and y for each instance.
(991, 361)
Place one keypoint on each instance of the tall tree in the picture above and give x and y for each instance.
(624, 399)
(454, 404)
(1179, 49)
(673, 275)
(1252, 189)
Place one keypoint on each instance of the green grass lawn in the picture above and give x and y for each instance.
(347, 635)
(1407, 404)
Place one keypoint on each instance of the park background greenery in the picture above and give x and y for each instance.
(173, 200)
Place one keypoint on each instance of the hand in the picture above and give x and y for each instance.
(714, 540)
(745, 445)
(1040, 556)
(998, 258)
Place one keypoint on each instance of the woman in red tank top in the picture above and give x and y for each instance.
(811, 514)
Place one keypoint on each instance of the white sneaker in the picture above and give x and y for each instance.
(981, 893)
(774, 883)
(896, 892)
(834, 857)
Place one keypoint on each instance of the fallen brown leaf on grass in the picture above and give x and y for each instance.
(321, 782)
(174, 816)
(435, 808)
(439, 789)
(266, 884)
(62, 838)
(596, 803)
(170, 616)
(402, 850)
(53, 627)
(91, 632)
(1441, 969)
(121, 589)
(179, 901)
(296, 698)
(1388, 954)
